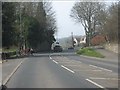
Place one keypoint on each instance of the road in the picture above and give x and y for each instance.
(64, 70)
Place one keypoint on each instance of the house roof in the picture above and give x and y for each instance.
(78, 38)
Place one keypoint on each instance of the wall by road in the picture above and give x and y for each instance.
(112, 47)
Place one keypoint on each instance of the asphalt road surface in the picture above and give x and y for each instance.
(67, 70)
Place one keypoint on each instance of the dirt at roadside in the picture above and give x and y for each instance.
(108, 54)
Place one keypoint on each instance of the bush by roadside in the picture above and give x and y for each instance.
(6, 55)
(90, 52)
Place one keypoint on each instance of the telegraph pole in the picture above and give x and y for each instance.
(72, 39)
(20, 27)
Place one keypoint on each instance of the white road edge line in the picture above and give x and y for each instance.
(8, 78)
(67, 69)
(101, 68)
(55, 62)
(104, 78)
(94, 83)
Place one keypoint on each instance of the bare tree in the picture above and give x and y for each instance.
(111, 26)
(87, 13)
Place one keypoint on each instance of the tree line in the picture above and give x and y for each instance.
(97, 17)
(28, 24)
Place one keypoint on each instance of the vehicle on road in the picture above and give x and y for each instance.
(70, 48)
(57, 48)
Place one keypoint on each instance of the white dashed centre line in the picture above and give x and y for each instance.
(50, 58)
(101, 68)
(67, 69)
(94, 83)
(55, 62)
(93, 66)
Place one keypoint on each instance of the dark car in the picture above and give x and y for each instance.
(58, 48)
(70, 48)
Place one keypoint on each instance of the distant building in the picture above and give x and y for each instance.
(75, 42)
(83, 40)
(98, 39)
(79, 40)
(68, 42)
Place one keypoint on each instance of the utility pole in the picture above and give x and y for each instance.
(72, 39)
(20, 38)
(22, 30)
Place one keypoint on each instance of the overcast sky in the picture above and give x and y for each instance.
(65, 23)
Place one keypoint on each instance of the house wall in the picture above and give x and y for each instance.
(98, 40)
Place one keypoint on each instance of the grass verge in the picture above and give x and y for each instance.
(90, 52)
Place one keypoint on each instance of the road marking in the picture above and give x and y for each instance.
(69, 62)
(67, 69)
(50, 57)
(55, 62)
(101, 68)
(96, 70)
(65, 62)
(93, 66)
(73, 65)
(94, 83)
(89, 70)
(104, 78)
(105, 69)
(8, 78)
(77, 61)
